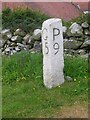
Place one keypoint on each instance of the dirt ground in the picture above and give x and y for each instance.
(74, 111)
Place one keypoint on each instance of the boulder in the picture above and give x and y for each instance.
(75, 30)
(81, 52)
(26, 39)
(86, 45)
(87, 32)
(16, 39)
(31, 42)
(69, 51)
(37, 46)
(12, 44)
(20, 32)
(17, 49)
(6, 34)
(37, 34)
(72, 44)
(2, 42)
(5, 31)
(85, 25)
(13, 52)
(7, 50)
(33, 50)
(20, 45)
(82, 38)
(27, 47)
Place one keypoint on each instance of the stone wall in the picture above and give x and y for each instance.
(76, 40)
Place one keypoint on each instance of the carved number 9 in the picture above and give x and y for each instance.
(47, 49)
(56, 47)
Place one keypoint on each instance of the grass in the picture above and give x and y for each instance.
(24, 95)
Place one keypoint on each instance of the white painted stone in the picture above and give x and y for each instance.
(52, 45)
(64, 29)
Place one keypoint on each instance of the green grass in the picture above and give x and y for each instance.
(24, 94)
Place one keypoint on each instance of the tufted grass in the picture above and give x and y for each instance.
(24, 95)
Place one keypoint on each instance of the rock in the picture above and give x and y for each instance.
(37, 46)
(5, 31)
(17, 49)
(12, 44)
(81, 39)
(72, 44)
(16, 39)
(64, 40)
(86, 44)
(68, 78)
(26, 39)
(75, 30)
(20, 45)
(27, 47)
(85, 56)
(64, 28)
(6, 34)
(20, 32)
(37, 34)
(31, 42)
(2, 42)
(33, 50)
(13, 52)
(3, 53)
(87, 32)
(85, 25)
(69, 51)
(81, 52)
(7, 50)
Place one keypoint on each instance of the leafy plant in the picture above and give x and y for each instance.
(25, 19)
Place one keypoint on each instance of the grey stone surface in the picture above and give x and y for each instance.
(6, 34)
(72, 44)
(7, 49)
(85, 25)
(26, 39)
(75, 28)
(37, 46)
(2, 42)
(5, 31)
(68, 78)
(16, 39)
(19, 32)
(81, 52)
(20, 44)
(37, 34)
(17, 48)
(86, 44)
(87, 32)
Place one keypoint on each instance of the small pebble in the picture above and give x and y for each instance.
(68, 78)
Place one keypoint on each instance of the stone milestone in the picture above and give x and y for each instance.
(52, 47)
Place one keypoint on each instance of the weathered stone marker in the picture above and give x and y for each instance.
(52, 45)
